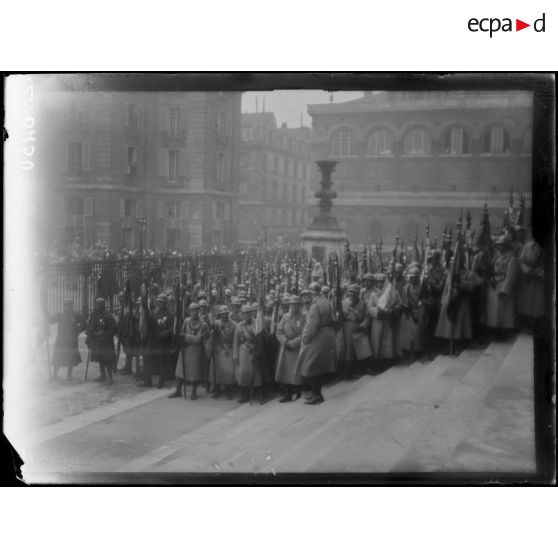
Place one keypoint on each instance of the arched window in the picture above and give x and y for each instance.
(380, 142)
(456, 141)
(417, 142)
(343, 143)
(497, 141)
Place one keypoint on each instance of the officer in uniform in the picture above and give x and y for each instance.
(235, 310)
(318, 354)
(289, 335)
(356, 324)
(100, 340)
(223, 339)
(192, 364)
(501, 289)
(160, 343)
(247, 373)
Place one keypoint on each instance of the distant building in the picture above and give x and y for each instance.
(274, 180)
(111, 160)
(406, 156)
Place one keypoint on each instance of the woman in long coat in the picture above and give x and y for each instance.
(289, 335)
(223, 340)
(191, 367)
(66, 352)
(247, 373)
(318, 354)
(501, 302)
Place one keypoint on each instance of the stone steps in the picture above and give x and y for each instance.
(502, 438)
(451, 414)
(452, 419)
(217, 432)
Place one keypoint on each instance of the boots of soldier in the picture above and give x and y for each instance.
(109, 374)
(161, 382)
(194, 395)
(348, 375)
(127, 370)
(229, 392)
(69, 373)
(261, 394)
(178, 391)
(216, 391)
(245, 395)
(103, 376)
(288, 395)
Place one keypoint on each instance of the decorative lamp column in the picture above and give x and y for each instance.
(324, 236)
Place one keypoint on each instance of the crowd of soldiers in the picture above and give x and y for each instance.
(289, 326)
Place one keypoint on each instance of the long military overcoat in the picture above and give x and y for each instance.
(289, 335)
(223, 340)
(192, 362)
(501, 292)
(318, 353)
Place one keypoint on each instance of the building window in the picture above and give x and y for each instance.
(173, 165)
(131, 160)
(74, 206)
(128, 236)
(343, 144)
(220, 168)
(173, 209)
(128, 208)
(174, 121)
(173, 238)
(456, 141)
(417, 142)
(78, 157)
(497, 141)
(132, 119)
(379, 143)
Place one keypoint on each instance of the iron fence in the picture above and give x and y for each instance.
(82, 281)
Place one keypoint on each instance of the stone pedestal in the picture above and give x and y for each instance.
(324, 236)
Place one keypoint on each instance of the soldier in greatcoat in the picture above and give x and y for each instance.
(159, 345)
(502, 288)
(530, 300)
(206, 316)
(223, 340)
(289, 336)
(409, 335)
(356, 351)
(368, 287)
(235, 310)
(100, 334)
(66, 352)
(247, 374)
(431, 297)
(318, 354)
(384, 306)
(192, 362)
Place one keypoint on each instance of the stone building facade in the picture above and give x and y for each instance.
(275, 169)
(156, 169)
(408, 156)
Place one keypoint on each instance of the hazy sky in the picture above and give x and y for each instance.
(289, 105)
